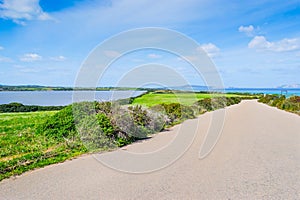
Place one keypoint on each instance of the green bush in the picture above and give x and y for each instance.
(105, 125)
(105, 107)
(139, 115)
(92, 134)
(210, 104)
(100, 124)
(175, 112)
(125, 124)
(18, 107)
(60, 125)
(268, 98)
(291, 104)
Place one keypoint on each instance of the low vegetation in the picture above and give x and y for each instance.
(291, 104)
(35, 139)
(21, 149)
(18, 107)
(184, 98)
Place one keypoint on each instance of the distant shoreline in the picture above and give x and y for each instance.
(196, 88)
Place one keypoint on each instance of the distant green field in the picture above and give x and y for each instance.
(22, 149)
(152, 99)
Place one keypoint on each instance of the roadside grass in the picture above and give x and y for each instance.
(21, 149)
(153, 98)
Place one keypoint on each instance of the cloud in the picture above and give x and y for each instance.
(1, 48)
(58, 58)
(30, 57)
(248, 30)
(261, 43)
(22, 10)
(211, 49)
(153, 55)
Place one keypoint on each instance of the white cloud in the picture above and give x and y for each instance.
(211, 49)
(248, 30)
(21, 10)
(58, 58)
(30, 57)
(261, 43)
(1, 48)
(153, 55)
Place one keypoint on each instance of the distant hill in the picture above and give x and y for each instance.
(190, 87)
(31, 88)
(58, 88)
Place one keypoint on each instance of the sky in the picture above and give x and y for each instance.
(251, 43)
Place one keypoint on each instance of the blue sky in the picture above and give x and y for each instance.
(252, 43)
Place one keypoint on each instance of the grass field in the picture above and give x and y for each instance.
(21, 149)
(188, 99)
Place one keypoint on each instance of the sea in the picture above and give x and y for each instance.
(58, 98)
(61, 98)
(281, 91)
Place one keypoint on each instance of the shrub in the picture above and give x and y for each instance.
(18, 107)
(125, 124)
(94, 136)
(175, 112)
(291, 104)
(105, 125)
(210, 104)
(60, 125)
(139, 115)
(104, 107)
(204, 105)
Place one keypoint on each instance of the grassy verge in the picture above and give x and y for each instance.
(21, 149)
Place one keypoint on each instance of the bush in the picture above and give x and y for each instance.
(210, 104)
(105, 125)
(101, 125)
(18, 107)
(105, 107)
(124, 122)
(175, 112)
(59, 126)
(139, 115)
(92, 134)
(291, 104)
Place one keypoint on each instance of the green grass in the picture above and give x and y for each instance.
(151, 99)
(21, 149)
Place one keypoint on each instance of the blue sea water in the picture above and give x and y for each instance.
(58, 98)
(55, 98)
(285, 91)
